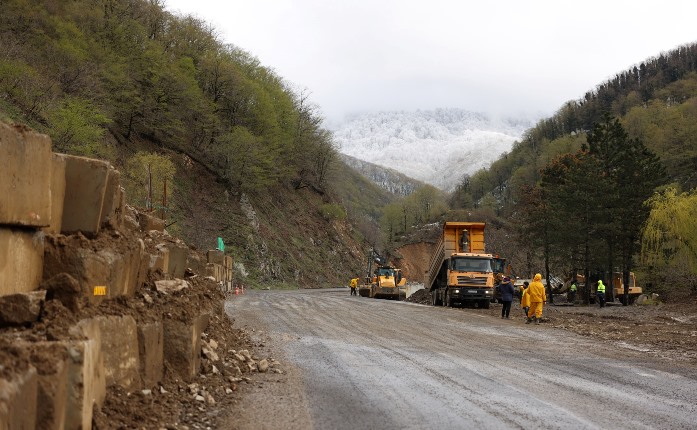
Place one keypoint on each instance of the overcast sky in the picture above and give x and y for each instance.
(495, 56)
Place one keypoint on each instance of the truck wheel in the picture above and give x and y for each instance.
(434, 298)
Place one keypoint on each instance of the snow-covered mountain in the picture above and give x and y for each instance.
(437, 147)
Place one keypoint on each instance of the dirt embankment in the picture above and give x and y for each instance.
(413, 260)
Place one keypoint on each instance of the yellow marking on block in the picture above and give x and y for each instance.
(100, 291)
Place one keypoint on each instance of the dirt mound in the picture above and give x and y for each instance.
(421, 296)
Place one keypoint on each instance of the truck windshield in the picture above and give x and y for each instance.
(472, 265)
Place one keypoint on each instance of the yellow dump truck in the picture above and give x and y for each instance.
(460, 271)
(383, 284)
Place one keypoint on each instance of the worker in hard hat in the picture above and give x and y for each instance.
(600, 293)
(354, 285)
(538, 297)
(572, 292)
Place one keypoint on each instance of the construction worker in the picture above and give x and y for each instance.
(572, 292)
(600, 293)
(507, 291)
(538, 297)
(354, 285)
(524, 298)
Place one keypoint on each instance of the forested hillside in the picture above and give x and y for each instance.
(230, 148)
(590, 187)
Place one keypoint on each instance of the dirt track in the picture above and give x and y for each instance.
(354, 362)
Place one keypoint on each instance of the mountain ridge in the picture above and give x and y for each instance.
(437, 146)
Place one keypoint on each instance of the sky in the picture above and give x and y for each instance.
(505, 57)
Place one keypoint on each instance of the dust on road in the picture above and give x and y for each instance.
(364, 363)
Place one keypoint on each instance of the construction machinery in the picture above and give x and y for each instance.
(617, 286)
(460, 271)
(382, 283)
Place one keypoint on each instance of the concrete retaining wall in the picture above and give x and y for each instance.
(18, 400)
(119, 337)
(21, 260)
(52, 382)
(182, 345)
(151, 352)
(85, 185)
(86, 378)
(25, 171)
(57, 193)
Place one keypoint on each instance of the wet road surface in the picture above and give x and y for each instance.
(361, 363)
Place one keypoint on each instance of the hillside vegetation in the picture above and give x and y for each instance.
(588, 188)
(205, 135)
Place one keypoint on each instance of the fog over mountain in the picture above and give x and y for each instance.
(437, 147)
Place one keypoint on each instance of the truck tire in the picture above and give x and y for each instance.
(434, 298)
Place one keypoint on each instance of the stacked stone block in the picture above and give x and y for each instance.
(45, 200)
(220, 267)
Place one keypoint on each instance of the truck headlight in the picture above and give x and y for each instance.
(488, 291)
(457, 291)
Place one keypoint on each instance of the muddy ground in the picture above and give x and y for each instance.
(213, 400)
(667, 330)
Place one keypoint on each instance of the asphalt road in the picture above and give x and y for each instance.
(360, 363)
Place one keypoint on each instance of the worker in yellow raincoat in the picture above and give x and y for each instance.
(354, 285)
(538, 297)
(524, 298)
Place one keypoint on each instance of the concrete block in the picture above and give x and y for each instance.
(182, 345)
(119, 337)
(227, 267)
(51, 360)
(18, 396)
(210, 270)
(118, 271)
(178, 256)
(86, 378)
(21, 260)
(151, 352)
(160, 261)
(57, 193)
(196, 262)
(215, 256)
(85, 184)
(21, 308)
(150, 222)
(25, 177)
(111, 206)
